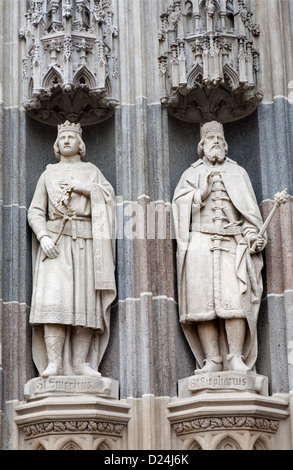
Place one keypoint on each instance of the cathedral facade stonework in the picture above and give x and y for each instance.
(160, 239)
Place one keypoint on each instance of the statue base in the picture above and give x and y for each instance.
(226, 381)
(233, 420)
(62, 385)
(72, 422)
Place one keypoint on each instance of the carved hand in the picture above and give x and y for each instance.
(48, 247)
(257, 243)
(73, 183)
(206, 187)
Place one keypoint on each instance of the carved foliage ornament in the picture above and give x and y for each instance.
(34, 430)
(208, 61)
(69, 60)
(224, 423)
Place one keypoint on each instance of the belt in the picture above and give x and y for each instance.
(209, 228)
(71, 227)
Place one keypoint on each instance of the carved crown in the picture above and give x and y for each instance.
(70, 126)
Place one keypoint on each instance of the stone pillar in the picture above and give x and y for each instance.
(275, 122)
(14, 288)
(1, 207)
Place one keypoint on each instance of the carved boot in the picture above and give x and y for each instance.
(214, 364)
(54, 340)
(235, 329)
(80, 345)
(235, 362)
(209, 337)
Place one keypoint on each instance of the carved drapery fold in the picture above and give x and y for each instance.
(208, 60)
(69, 61)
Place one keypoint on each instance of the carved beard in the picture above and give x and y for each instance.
(215, 154)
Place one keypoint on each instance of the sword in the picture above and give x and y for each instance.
(64, 200)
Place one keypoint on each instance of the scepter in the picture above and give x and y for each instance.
(280, 198)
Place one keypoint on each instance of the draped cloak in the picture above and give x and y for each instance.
(78, 287)
(186, 205)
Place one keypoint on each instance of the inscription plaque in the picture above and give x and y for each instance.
(239, 381)
(70, 385)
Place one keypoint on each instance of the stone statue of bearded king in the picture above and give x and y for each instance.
(72, 215)
(217, 221)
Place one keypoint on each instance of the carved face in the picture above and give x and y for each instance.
(68, 143)
(214, 147)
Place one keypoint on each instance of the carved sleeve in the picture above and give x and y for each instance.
(37, 213)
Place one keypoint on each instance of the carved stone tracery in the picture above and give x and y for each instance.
(208, 60)
(69, 60)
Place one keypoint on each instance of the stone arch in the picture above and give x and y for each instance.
(194, 443)
(104, 443)
(71, 446)
(84, 78)
(228, 444)
(231, 76)
(202, 8)
(40, 444)
(53, 78)
(195, 446)
(71, 443)
(195, 76)
(202, 3)
(261, 442)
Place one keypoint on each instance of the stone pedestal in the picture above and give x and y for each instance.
(72, 413)
(226, 411)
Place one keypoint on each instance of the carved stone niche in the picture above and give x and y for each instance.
(69, 61)
(208, 60)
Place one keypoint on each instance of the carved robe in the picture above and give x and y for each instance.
(218, 276)
(78, 287)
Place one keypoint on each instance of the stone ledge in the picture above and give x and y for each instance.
(208, 404)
